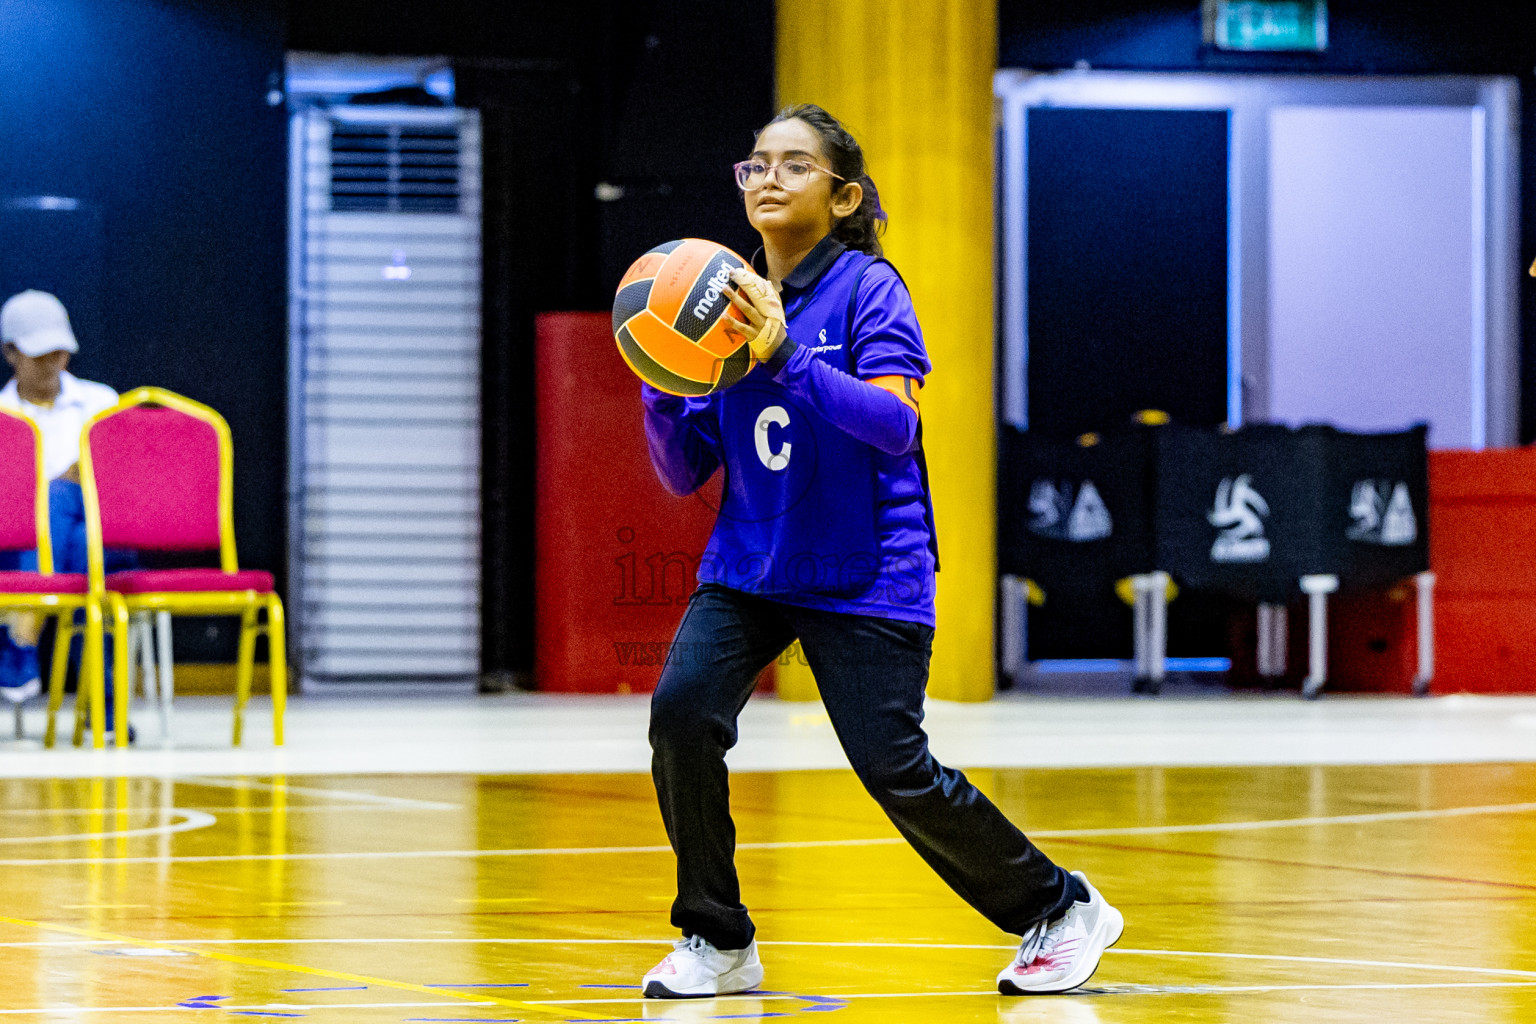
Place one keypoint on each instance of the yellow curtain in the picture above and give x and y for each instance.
(912, 79)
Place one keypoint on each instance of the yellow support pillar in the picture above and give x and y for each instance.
(912, 80)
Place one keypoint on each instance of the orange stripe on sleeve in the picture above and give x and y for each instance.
(904, 388)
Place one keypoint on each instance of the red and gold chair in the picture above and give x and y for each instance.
(158, 475)
(24, 527)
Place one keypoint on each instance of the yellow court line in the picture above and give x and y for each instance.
(277, 965)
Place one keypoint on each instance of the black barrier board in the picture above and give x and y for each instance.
(1074, 518)
(1240, 513)
(1376, 507)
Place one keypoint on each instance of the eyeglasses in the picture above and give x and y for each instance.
(791, 174)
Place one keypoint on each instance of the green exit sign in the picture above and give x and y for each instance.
(1267, 25)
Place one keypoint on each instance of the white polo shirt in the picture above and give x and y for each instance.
(61, 423)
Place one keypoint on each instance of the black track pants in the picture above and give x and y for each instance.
(871, 673)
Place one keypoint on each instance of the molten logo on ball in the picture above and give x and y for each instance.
(712, 293)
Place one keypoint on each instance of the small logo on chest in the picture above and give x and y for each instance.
(824, 347)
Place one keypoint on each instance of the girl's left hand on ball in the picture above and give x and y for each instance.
(764, 330)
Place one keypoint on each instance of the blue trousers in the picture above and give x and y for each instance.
(872, 673)
(66, 524)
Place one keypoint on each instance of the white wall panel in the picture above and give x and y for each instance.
(1377, 270)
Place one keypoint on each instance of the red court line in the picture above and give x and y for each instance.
(1458, 900)
(653, 910)
(1381, 872)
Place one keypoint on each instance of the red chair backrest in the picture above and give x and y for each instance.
(157, 480)
(18, 485)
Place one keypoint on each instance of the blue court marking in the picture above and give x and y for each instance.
(1089, 665)
(337, 988)
(466, 1020)
(494, 984)
(263, 1013)
(202, 1002)
(747, 1016)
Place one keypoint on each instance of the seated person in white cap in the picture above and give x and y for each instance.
(38, 342)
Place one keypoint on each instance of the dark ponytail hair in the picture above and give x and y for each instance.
(861, 229)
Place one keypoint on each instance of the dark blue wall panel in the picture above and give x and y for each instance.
(154, 115)
(1127, 262)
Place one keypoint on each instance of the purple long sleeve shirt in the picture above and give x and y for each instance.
(687, 447)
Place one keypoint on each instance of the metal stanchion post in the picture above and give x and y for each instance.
(1317, 589)
(1426, 673)
(1011, 594)
(1274, 630)
(1152, 625)
(1141, 613)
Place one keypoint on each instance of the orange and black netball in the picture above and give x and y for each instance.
(670, 318)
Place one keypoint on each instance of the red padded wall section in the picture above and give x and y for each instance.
(1373, 639)
(1482, 516)
(615, 553)
(1482, 550)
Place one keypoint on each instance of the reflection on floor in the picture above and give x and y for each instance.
(1305, 894)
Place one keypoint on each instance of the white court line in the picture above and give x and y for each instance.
(1107, 990)
(575, 851)
(191, 820)
(360, 796)
(1136, 990)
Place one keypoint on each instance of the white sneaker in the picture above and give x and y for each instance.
(697, 970)
(22, 692)
(1060, 955)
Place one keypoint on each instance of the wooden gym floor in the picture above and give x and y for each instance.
(1348, 893)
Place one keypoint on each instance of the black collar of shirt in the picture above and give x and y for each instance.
(810, 269)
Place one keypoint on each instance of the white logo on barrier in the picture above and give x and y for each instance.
(1383, 514)
(1237, 514)
(774, 460)
(1047, 506)
(1058, 516)
(1089, 519)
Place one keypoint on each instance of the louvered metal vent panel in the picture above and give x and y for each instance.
(395, 168)
(386, 368)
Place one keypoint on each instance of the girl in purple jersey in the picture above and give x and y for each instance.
(825, 535)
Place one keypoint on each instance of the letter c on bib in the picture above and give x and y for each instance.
(778, 460)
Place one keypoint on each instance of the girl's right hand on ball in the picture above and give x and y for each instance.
(764, 330)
